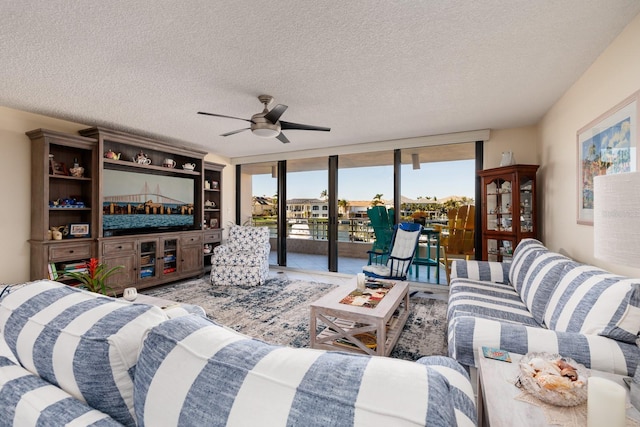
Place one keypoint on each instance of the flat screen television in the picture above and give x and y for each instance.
(137, 203)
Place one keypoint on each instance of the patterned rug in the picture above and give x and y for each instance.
(278, 312)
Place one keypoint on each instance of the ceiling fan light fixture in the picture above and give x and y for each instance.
(265, 132)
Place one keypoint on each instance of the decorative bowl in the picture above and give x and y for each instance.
(542, 375)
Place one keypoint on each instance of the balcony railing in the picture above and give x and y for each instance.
(349, 229)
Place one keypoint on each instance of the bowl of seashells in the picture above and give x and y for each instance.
(554, 379)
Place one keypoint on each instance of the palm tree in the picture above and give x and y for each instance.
(343, 204)
(377, 200)
(324, 195)
(274, 202)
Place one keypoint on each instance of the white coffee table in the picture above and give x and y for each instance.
(343, 321)
(497, 405)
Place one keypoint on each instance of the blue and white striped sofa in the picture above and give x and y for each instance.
(544, 301)
(73, 357)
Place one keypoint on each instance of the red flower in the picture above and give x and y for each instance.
(93, 265)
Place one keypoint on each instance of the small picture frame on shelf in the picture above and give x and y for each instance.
(213, 223)
(57, 168)
(78, 230)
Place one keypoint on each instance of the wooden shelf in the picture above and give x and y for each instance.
(125, 164)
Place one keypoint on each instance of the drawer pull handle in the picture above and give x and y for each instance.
(71, 251)
(119, 247)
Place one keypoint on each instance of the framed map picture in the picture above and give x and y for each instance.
(607, 145)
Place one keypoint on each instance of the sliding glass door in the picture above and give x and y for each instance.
(364, 180)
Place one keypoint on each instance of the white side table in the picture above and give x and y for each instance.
(497, 405)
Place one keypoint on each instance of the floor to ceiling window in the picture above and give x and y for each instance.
(435, 179)
(307, 212)
(431, 179)
(364, 180)
(264, 195)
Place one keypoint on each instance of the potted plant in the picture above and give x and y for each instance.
(95, 277)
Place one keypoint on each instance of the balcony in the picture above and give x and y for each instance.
(307, 245)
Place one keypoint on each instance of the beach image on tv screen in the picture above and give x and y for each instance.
(142, 201)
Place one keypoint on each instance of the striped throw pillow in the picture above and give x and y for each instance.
(82, 342)
(535, 287)
(593, 301)
(26, 399)
(194, 372)
(523, 256)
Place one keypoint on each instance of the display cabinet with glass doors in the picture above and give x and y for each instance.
(509, 209)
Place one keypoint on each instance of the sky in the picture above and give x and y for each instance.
(444, 179)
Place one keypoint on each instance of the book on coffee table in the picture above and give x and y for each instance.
(366, 338)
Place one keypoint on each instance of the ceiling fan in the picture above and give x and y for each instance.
(268, 124)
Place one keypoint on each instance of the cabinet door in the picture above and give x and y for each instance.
(499, 204)
(191, 259)
(527, 203)
(169, 257)
(125, 277)
(499, 249)
(148, 260)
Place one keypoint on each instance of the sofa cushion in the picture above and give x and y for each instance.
(219, 377)
(489, 271)
(468, 333)
(84, 343)
(541, 279)
(523, 256)
(26, 399)
(590, 300)
(491, 300)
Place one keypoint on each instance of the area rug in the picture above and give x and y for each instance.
(278, 312)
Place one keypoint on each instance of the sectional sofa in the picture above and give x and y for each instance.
(544, 301)
(71, 356)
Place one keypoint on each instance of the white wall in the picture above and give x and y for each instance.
(523, 142)
(612, 77)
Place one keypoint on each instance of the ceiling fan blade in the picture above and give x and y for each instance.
(222, 115)
(275, 113)
(289, 125)
(234, 132)
(283, 138)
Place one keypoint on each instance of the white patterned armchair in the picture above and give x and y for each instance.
(243, 259)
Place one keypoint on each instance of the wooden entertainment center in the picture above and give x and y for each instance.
(70, 177)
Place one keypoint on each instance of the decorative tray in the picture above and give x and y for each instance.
(554, 379)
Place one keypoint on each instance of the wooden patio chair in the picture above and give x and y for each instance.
(460, 243)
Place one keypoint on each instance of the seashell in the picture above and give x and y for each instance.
(527, 369)
(538, 364)
(554, 382)
(569, 373)
(562, 364)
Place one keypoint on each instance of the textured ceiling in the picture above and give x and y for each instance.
(370, 70)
